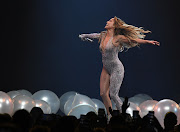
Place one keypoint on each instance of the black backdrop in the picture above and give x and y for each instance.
(41, 48)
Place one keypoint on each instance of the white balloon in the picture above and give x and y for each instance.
(78, 102)
(24, 92)
(136, 100)
(23, 102)
(147, 106)
(43, 105)
(13, 94)
(144, 96)
(132, 107)
(6, 104)
(68, 105)
(50, 97)
(164, 106)
(99, 104)
(81, 109)
(64, 98)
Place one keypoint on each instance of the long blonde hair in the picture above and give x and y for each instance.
(129, 31)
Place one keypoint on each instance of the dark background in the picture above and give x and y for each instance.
(41, 49)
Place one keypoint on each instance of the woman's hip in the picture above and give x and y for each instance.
(112, 67)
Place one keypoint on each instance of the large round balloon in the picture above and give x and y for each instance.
(24, 92)
(68, 105)
(6, 104)
(136, 100)
(147, 106)
(132, 107)
(81, 110)
(75, 103)
(64, 98)
(50, 97)
(43, 105)
(99, 104)
(164, 106)
(23, 102)
(13, 94)
(144, 96)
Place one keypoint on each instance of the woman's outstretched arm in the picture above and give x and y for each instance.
(89, 37)
(142, 41)
(124, 39)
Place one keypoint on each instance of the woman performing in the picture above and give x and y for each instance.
(118, 35)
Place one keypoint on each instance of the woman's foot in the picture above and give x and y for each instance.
(108, 118)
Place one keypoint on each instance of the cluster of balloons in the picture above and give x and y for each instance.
(144, 103)
(73, 103)
(12, 101)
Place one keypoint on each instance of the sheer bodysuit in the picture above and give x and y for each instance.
(113, 66)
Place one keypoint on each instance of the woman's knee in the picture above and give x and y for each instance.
(104, 94)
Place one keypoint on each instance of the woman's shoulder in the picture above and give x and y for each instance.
(102, 35)
(103, 32)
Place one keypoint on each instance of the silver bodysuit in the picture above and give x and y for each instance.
(115, 69)
(113, 66)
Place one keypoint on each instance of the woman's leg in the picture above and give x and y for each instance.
(104, 89)
(116, 79)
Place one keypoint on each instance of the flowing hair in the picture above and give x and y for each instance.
(129, 31)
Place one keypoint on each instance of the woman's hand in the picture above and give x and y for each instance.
(82, 36)
(85, 38)
(153, 42)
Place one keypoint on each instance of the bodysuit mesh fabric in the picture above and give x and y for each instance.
(113, 66)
